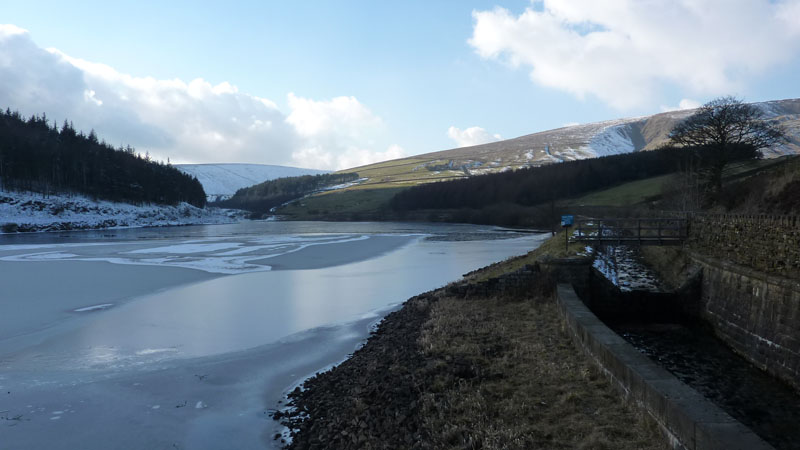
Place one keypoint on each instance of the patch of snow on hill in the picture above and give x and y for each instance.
(612, 140)
(221, 181)
(343, 185)
(25, 211)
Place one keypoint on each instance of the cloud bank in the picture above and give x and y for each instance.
(191, 121)
(624, 51)
(685, 103)
(471, 136)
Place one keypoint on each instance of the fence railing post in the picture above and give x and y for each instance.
(659, 232)
(639, 231)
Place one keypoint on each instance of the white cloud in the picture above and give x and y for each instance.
(7, 30)
(685, 103)
(340, 115)
(334, 132)
(789, 12)
(193, 121)
(471, 136)
(347, 158)
(622, 51)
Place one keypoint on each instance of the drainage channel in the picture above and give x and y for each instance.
(699, 359)
(696, 357)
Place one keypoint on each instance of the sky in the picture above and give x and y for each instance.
(338, 84)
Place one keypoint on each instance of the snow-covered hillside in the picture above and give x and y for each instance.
(221, 181)
(601, 139)
(567, 143)
(31, 212)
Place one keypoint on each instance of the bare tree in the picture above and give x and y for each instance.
(683, 191)
(724, 130)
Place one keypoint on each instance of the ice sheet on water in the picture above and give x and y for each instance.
(94, 307)
(190, 248)
(240, 254)
(152, 351)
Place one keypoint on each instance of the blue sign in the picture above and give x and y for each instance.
(567, 220)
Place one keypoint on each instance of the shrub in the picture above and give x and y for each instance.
(9, 227)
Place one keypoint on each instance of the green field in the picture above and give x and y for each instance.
(343, 204)
(626, 194)
(649, 189)
(404, 173)
(370, 200)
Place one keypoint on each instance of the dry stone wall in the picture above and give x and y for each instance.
(766, 243)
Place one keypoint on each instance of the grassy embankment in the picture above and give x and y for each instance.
(649, 189)
(532, 389)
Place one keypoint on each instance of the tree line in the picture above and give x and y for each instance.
(264, 196)
(39, 157)
(538, 185)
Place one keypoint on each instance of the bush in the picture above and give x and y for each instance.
(9, 227)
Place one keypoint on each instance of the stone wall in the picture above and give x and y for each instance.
(756, 313)
(528, 281)
(766, 243)
(688, 419)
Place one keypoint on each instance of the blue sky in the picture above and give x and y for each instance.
(345, 83)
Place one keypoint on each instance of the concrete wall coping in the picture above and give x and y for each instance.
(730, 266)
(688, 418)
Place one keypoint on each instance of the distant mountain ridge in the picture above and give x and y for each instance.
(221, 181)
(562, 144)
(610, 137)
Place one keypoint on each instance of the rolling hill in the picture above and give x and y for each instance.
(561, 144)
(221, 181)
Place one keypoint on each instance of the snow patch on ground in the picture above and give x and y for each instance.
(342, 186)
(26, 211)
(620, 265)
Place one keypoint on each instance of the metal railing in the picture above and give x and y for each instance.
(659, 231)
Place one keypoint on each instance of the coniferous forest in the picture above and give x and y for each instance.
(261, 197)
(37, 156)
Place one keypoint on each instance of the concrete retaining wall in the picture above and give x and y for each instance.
(689, 419)
(757, 314)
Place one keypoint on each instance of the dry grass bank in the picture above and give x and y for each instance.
(480, 372)
(553, 247)
(522, 384)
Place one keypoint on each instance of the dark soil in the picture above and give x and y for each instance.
(372, 400)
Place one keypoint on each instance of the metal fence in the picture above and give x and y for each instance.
(653, 231)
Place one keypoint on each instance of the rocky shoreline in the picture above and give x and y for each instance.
(25, 212)
(372, 397)
(470, 365)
